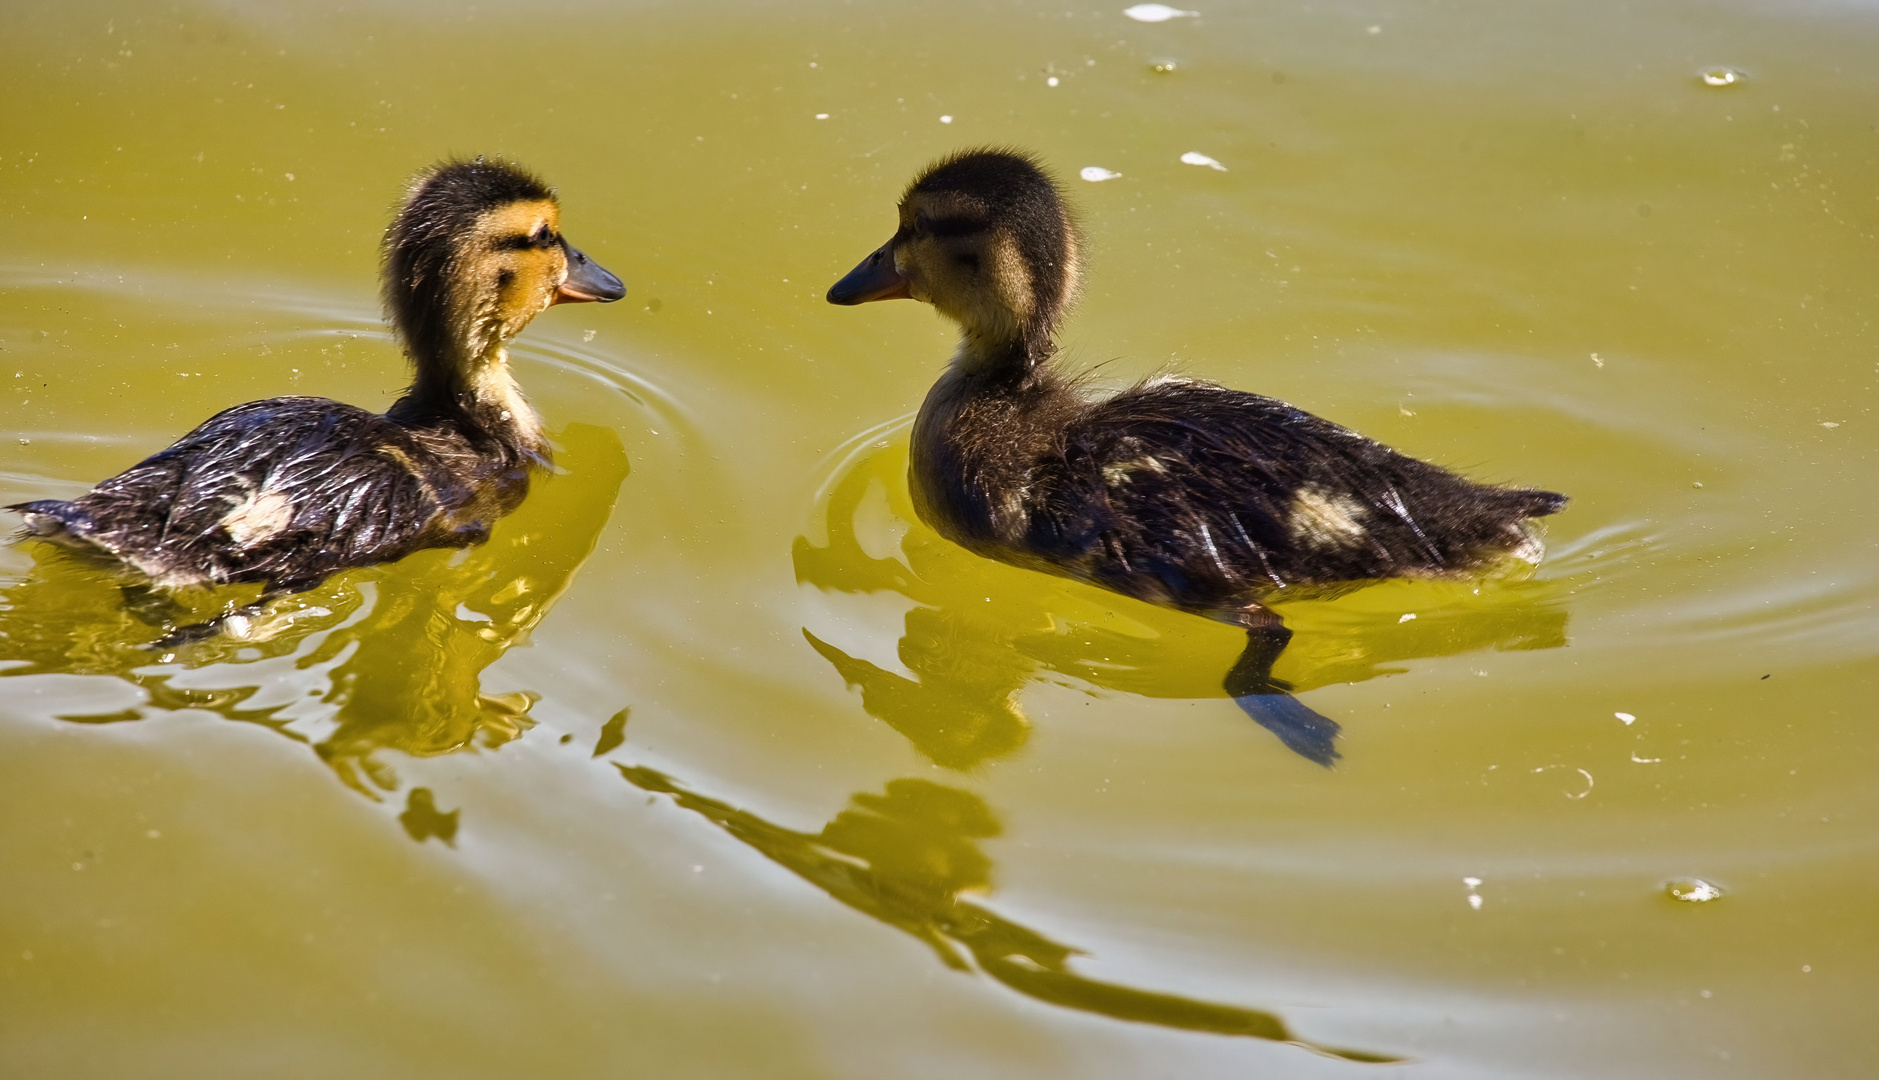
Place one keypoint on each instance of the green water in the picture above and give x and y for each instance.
(714, 762)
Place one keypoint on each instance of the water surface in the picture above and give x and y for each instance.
(716, 762)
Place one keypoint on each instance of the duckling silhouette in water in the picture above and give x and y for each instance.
(289, 490)
(1175, 491)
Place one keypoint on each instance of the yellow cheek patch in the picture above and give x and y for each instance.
(498, 249)
(1011, 275)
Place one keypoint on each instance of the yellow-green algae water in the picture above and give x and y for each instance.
(714, 762)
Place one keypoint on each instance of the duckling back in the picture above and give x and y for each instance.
(1191, 495)
(285, 492)
(1197, 495)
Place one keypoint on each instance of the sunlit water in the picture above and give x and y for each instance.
(715, 762)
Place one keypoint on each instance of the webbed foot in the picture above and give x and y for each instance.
(1269, 701)
(1304, 732)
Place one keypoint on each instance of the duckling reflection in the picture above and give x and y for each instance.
(387, 658)
(980, 631)
(908, 857)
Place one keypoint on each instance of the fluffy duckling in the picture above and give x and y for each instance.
(1175, 491)
(289, 490)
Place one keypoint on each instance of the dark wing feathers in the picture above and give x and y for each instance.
(1191, 493)
(329, 486)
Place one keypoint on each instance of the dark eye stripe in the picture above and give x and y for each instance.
(951, 226)
(543, 238)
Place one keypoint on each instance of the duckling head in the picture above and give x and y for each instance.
(986, 238)
(474, 254)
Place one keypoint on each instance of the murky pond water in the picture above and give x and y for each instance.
(715, 762)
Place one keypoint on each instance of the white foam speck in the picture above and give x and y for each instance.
(1693, 890)
(1193, 157)
(1407, 617)
(1096, 174)
(1157, 13)
(1052, 81)
(946, 119)
(822, 116)
(1626, 717)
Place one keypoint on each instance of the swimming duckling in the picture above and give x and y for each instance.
(1175, 491)
(289, 490)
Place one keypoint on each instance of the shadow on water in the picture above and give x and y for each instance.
(392, 655)
(908, 856)
(979, 631)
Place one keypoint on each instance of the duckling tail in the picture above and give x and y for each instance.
(53, 521)
(1532, 503)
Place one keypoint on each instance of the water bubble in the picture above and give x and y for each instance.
(1692, 890)
(1195, 158)
(1096, 174)
(1157, 13)
(946, 119)
(1052, 81)
(1720, 76)
(1162, 67)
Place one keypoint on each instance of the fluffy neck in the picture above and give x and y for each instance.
(982, 431)
(1002, 348)
(478, 391)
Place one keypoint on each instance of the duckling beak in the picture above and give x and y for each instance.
(587, 281)
(874, 279)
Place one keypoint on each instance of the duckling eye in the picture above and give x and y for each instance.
(543, 236)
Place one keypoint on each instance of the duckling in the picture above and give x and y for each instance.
(1176, 491)
(289, 490)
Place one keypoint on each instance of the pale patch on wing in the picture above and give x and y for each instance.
(1118, 473)
(259, 518)
(1323, 519)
